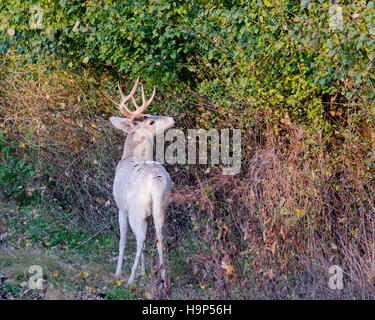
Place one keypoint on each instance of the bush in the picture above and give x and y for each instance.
(16, 173)
(281, 57)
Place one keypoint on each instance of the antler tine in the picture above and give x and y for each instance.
(145, 104)
(121, 93)
(143, 95)
(152, 96)
(139, 109)
(124, 99)
(143, 99)
(131, 94)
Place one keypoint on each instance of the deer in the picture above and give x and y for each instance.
(141, 186)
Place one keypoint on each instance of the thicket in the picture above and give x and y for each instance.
(297, 81)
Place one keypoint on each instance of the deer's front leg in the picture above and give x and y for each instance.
(123, 223)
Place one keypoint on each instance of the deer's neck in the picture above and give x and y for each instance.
(138, 146)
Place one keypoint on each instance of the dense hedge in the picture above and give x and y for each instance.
(283, 56)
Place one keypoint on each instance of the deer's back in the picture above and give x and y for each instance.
(136, 180)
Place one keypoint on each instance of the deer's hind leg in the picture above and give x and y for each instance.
(158, 214)
(139, 225)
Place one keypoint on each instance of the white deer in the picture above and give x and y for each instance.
(141, 186)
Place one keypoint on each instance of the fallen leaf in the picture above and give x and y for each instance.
(228, 268)
(91, 290)
(299, 213)
(118, 282)
(133, 288)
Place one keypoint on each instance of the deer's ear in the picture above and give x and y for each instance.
(123, 124)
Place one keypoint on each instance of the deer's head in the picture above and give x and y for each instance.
(137, 121)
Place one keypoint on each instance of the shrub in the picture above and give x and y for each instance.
(16, 173)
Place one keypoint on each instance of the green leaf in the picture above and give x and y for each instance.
(268, 3)
(304, 3)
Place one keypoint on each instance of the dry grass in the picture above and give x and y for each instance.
(286, 219)
(62, 279)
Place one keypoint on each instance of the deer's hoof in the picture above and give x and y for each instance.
(118, 275)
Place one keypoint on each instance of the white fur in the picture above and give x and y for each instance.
(141, 187)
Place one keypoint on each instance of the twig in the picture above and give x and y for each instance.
(77, 159)
(93, 236)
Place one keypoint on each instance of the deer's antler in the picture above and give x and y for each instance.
(139, 109)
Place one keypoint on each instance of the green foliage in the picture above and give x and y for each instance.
(119, 293)
(46, 225)
(16, 173)
(282, 57)
(9, 288)
(131, 36)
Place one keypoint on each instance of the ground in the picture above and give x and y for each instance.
(74, 268)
